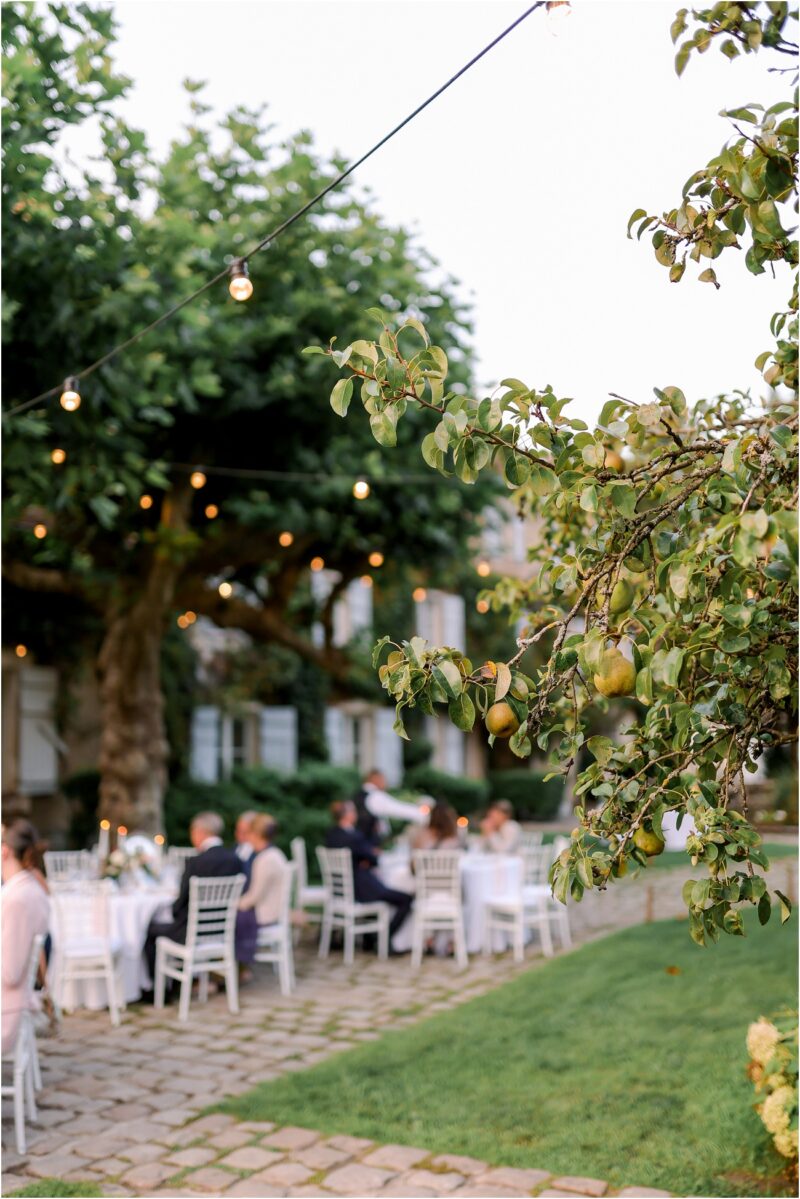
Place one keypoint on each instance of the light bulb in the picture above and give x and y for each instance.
(211, 511)
(40, 531)
(557, 13)
(419, 594)
(361, 489)
(190, 617)
(286, 539)
(58, 456)
(482, 606)
(146, 501)
(366, 580)
(462, 822)
(317, 564)
(240, 286)
(197, 479)
(183, 623)
(21, 651)
(70, 396)
(225, 590)
(483, 569)
(105, 825)
(158, 839)
(376, 558)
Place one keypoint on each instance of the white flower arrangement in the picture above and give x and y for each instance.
(119, 861)
(772, 1046)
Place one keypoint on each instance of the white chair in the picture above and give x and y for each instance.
(437, 906)
(178, 855)
(310, 899)
(342, 911)
(24, 1059)
(210, 932)
(275, 940)
(531, 839)
(69, 865)
(83, 944)
(533, 908)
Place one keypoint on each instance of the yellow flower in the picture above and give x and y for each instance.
(762, 1037)
(786, 1143)
(774, 1110)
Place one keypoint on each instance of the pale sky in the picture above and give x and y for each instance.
(520, 179)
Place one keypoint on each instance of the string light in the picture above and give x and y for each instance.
(197, 479)
(158, 839)
(58, 456)
(190, 616)
(317, 564)
(286, 539)
(366, 580)
(483, 569)
(225, 590)
(240, 286)
(376, 558)
(211, 511)
(70, 396)
(146, 501)
(482, 606)
(419, 595)
(40, 531)
(183, 623)
(21, 651)
(361, 489)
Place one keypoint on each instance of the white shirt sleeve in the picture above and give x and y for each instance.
(386, 807)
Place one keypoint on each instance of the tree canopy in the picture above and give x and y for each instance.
(667, 582)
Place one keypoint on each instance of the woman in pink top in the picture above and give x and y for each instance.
(25, 910)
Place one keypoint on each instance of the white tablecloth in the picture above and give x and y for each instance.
(131, 913)
(483, 876)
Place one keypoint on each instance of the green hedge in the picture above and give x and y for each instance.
(532, 797)
(465, 795)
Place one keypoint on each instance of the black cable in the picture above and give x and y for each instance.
(165, 316)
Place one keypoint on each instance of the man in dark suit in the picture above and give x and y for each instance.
(212, 860)
(367, 886)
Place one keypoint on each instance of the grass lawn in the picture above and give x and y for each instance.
(598, 1063)
(677, 857)
(56, 1188)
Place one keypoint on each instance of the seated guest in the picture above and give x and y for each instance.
(441, 832)
(375, 808)
(244, 846)
(499, 829)
(367, 886)
(212, 860)
(25, 915)
(260, 904)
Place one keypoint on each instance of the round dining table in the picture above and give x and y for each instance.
(484, 876)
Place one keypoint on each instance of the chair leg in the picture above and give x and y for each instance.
(519, 937)
(29, 1092)
(461, 944)
(418, 940)
(383, 937)
(111, 987)
(202, 987)
(284, 970)
(19, 1111)
(290, 963)
(160, 981)
(349, 942)
(186, 993)
(232, 986)
(325, 936)
(35, 1067)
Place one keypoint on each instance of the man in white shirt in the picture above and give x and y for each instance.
(376, 808)
(501, 832)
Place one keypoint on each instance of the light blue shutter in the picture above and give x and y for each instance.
(278, 738)
(204, 748)
(339, 736)
(453, 621)
(38, 739)
(453, 748)
(388, 750)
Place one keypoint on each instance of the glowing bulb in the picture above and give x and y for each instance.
(197, 479)
(482, 606)
(557, 13)
(58, 456)
(158, 839)
(483, 569)
(190, 617)
(146, 501)
(105, 825)
(70, 396)
(286, 539)
(183, 623)
(462, 822)
(376, 558)
(225, 590)
(419, 594)
(366, 580)
(40, 531)
(211, 511)
(361, 489)
(317, 564)
(240, 286)
(21, 651)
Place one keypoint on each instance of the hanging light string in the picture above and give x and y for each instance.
(266, 241)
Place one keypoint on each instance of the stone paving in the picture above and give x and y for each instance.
(121, 1107)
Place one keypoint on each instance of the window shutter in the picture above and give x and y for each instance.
(38, 739)
(204, 747)
(359, 603)
(339, 735)
(278, 737)
(425, 626)
(388, 751)
(454, 621)
(453, 749)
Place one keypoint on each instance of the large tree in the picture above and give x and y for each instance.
(668, 553)
(89, 259)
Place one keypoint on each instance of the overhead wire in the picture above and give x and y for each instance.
(295, 216)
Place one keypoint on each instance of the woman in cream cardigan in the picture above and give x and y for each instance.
(261, 902)
(25, 915)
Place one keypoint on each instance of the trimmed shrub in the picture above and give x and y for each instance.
(465, 795)
(532, 797)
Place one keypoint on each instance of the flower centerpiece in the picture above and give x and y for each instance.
(121, 862)
(772, 1046)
